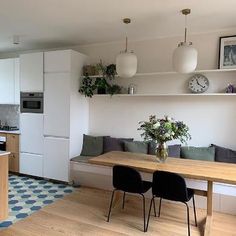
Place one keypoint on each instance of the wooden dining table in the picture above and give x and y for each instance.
(192, 169)
(4, 185)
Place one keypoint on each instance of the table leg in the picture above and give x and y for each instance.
(117, 199)
(207, 231)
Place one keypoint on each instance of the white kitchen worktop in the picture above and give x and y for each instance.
(2, 153)
(10, 132)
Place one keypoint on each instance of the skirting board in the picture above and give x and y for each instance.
(101, 177)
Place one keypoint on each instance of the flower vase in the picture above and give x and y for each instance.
(162, 152)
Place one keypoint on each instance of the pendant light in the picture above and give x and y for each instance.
(126, 62)
(185, 55)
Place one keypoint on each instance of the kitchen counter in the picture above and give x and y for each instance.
(10, 132)
(3, 153)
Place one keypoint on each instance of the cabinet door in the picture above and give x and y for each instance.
(57, 61)
(31, 126)
(31, 164)
(7, 81)
(57, 104)
(13, 143)
(31, 72)
(56, 158)
(14, 162)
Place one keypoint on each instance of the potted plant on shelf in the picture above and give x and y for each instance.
(163, 130)
(103, 83)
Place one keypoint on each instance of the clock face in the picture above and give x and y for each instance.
(198, 84)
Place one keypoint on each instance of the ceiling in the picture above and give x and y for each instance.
(61, 23)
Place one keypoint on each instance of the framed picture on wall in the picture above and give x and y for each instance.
(227, 52)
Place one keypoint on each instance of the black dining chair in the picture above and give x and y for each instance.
(172, 187)
(128, 180)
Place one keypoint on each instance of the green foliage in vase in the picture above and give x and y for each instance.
(163, 130)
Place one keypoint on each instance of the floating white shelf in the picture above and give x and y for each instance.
(165, 95)
(173, 73)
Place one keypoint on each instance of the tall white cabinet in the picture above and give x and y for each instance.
(65, 112)
(65, 117)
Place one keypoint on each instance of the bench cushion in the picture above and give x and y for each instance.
(198, 153)
(92, 146)
(224, 154)
(136, 146)
(115, 144)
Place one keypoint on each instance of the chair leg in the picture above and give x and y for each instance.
(188, 218)
(123, 205)
(144, 218)
(149, 212)
(194, 209)
(159, 212)
(154, 206)
(112, 196)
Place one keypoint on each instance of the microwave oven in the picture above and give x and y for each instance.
(31, 102)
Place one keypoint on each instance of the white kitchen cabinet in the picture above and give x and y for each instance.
(31, 72)
(31, 126)
(56, 158)
(57, 104)
(65, 111)
(57, 61)
(31, 164)
(7, 81)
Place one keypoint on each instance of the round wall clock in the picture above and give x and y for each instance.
(198, 83)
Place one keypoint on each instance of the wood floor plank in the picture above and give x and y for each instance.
(84, 213)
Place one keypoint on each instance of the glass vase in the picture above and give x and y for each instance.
(162, 152)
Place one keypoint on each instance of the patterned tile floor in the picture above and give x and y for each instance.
(27, 195)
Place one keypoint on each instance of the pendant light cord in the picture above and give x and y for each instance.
(126, 44)
(185, 30)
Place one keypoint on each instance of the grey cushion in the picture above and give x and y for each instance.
(82, 159)
(173, 150)
(92, 146)
(114, 144)
(136, 146)
(198, 153)
(224, 154)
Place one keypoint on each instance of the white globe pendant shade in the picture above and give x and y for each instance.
(126, 64)
(185, 58)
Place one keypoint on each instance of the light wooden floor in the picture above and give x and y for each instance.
(84, 213)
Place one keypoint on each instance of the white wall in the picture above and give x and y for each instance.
(211, 119)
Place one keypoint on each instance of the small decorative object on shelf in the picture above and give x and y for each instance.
(163, 130)
(132, 89)
(227, 53)
(230, 89)
(198, 83)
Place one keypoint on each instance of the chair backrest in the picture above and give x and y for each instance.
(127, 179)
(169, 186)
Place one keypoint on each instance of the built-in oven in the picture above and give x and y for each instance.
(3, 142)
(31, 102)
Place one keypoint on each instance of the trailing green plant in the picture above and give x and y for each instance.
(111, 71)
(87, 87)
(114, 89)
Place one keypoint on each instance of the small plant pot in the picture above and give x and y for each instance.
(101, 90)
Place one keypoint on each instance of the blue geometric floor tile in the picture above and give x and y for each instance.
(27, 195)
